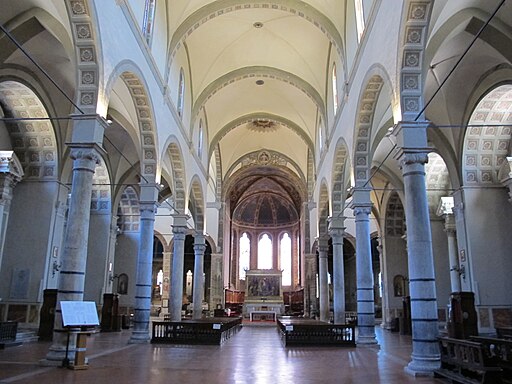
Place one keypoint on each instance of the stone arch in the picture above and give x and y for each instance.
(486, 142)
(338, 176)
(196, 203)
(367, 103)
(133, 79)
(437, 180)
(323, 208)
(175, 156)
(88, 53)
(33, 140)
(414, 31)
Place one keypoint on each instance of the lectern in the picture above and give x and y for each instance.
(78, 315)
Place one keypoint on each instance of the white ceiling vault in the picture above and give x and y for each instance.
(259, 72)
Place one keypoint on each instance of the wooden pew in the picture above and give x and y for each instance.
(501, 351)
(468, 362)
(312, 332)
(504, 332)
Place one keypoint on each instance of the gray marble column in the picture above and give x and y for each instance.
(365, 290)
(336, 230)
(323, 248)
(143, 284)
(412, 156)
(11, 173)
(198, 287)
(445, 210)
(179, 230)
(310, 293)
(74, 254)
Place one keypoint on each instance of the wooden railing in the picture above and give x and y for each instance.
(308, 332)
(466, 361)
(500, 350)
(211, 331)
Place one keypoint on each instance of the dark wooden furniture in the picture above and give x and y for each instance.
(296, 331)
(466, 361)
(294, 302)
(205, 331)
(504, 332)
(8, 331)
(47, 315)
(234, 301)
(501, 351)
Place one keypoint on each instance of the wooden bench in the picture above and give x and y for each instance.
(501, 351)
(504, 332)
(312, 332)
(208, 331)
(468, 362)
(8, 331)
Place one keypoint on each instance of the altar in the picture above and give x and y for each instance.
(264, 294)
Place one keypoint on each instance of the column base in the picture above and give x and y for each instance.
(139, 338)
(367, 341)
(422, 367)
(55, 357)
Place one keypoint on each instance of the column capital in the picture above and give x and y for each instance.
(336, 228)
(361, 208)
(179, 226)
(409, 156)
(85, 156)
(10, 164)
(199, 238)
(323, 244)
(88, 128)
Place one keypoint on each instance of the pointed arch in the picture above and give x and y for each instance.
(175, 155)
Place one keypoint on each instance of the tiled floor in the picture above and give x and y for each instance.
(254, 355)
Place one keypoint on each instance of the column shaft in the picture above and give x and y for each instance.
(179, 230)
(336, 230)
(323, 247)
(364, 271)
(143, 284)
(425, 354)
(454, 260)
(74, 254)
(198, 288)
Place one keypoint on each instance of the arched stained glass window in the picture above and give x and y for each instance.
(245, 255)
(265, 252)
(149, 20)
(359, 18)
(285, 253)
(181, 93)
(334, 89)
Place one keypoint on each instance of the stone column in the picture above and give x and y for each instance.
(143, 285)
(412, 156)
(179, 230)
(362, 207)
(86, 150)
(11, 172)
(323, 248)
(198, 288)
(311, 270)
(216, 282)
(109, 280)
(166, 281)
(336, 230)
(445, 210)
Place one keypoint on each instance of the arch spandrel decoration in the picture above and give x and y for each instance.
(365, 116)
(178, 176)
(33, 141)
(146, 124)
(338, 175)
(415, 28)
(80, 14)
(196, 194)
